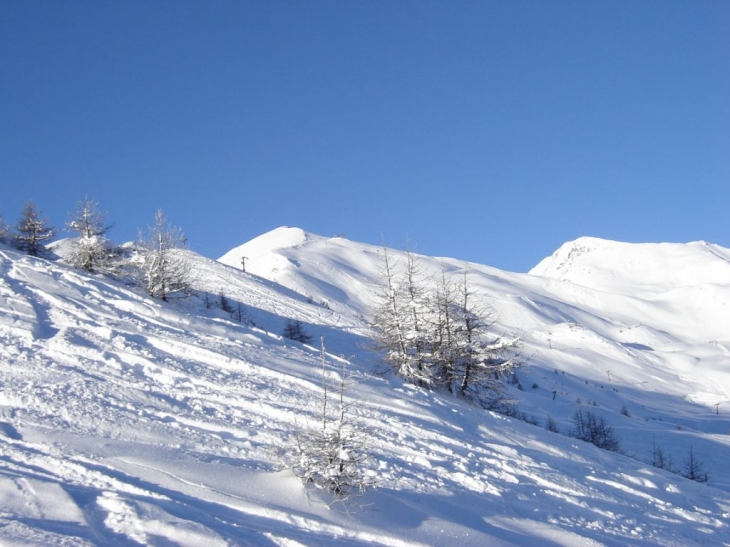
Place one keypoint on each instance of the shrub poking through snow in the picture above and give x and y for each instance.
(590, 428)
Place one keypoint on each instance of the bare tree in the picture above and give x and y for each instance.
(418, 308)
(443, 332)
(551, 424)
(92, 251)
(471, 360)
(224, 303)
(590, 428)
(162, 266)
(660, 459)
(389, 321)
(441, 336)
(32, 231)
(332, 453)
(294, 330)
(403, 322)
(693, 468)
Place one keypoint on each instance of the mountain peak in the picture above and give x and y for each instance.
(655, 267)
(283, 237)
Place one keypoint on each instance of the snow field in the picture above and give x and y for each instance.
(125, 421)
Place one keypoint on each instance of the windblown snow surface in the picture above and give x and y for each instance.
(129, 421)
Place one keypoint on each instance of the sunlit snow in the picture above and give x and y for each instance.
(126, 420)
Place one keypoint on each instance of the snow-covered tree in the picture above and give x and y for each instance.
(32, 231)
(419, 336)
(441, 336)
(443, 329)
(390, 321)
(92, 251)
(161, 265)
(403, 336)
(471, 359)
(332, 452)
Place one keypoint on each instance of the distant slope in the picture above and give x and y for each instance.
(656, 315)
(646, 269)
(124, 420)
(639, 328)
(342, 274)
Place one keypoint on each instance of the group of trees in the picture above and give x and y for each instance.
(441, 336)
(692, 467)
(593, 429)
(157, 261)
(294, 330)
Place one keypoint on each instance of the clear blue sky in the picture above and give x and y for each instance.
(491, 131)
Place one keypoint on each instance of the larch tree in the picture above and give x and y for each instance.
(693, 467)
(294, 330)
(390, 321)
(333, 450)
(417, 307)
(162, 267)
(480, 358)
(442, 335)
(32, 231)
(92, 251)
(444, 331)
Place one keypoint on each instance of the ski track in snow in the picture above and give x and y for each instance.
(126, 421)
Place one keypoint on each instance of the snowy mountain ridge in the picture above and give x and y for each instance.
(126, 421)
(647, 267)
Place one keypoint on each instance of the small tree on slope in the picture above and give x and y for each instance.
(331, 454)
(480, 359)
(32, 231)
(693, 468)
(294, 330)
(391, 320)
(161, 265)
(92, 251)
(590, 428)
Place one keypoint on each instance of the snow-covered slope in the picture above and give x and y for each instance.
(645, 269)
(127, 421)
(334, 272)
(654, 315)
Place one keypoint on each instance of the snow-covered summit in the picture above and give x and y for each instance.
(332, 271)
(279, 238)
(647, 268)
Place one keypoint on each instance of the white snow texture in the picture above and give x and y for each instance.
(130, 421)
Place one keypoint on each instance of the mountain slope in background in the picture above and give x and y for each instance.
(128, 421)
